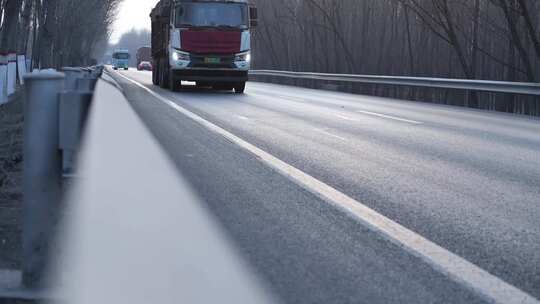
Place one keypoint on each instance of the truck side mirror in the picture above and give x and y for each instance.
(253, 16)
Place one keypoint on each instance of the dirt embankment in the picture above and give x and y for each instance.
(11, 139)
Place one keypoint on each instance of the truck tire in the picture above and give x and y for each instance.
(174, 84)
(154, 77)
(164, 74)
(162, 83)
(157, 73)
(240, 87)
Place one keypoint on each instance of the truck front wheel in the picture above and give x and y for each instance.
(154, 77)
(164, 75)
(174, 83)
(240, 87)
(155, 73)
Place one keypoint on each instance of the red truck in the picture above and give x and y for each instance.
(144, 54)
(205, 41)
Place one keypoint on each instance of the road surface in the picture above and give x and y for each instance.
(467, 180)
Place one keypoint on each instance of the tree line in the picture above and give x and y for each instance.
(56, 33)
(474, 39)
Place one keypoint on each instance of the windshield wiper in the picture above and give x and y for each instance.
(200, 27)
(232, 27)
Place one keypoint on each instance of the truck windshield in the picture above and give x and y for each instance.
(211, 14)
(121, 56)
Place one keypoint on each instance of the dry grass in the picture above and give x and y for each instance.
(11, 139)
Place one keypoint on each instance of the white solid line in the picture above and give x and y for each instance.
(297, 99)
(242, 117)
(345, 117)
(390, 117)
(486, 285)
(330, 134)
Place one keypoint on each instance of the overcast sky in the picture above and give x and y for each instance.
(132, 14)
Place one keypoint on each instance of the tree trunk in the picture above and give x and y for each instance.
(9, 28)
(511, 18)
(47, 33)
(25, 26)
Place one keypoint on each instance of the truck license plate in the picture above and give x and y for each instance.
(212, 60)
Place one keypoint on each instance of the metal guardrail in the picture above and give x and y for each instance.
(445, 83)
(55, 108)
(132, 230)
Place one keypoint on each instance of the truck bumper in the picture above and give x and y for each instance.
(211, 75)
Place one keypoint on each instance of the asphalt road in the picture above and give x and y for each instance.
(467, 180)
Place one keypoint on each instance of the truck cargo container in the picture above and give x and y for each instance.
(144, 54)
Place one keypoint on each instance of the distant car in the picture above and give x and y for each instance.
(144, 66)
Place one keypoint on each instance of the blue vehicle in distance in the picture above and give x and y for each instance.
(120, 59)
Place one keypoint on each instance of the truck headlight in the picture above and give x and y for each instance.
(243, 57)
(179, 55)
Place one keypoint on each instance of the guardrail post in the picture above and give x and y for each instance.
(86, 84)
(74, 108)
(72, 74)
(12, 73)
(97, 71)
(42, 170)
(21, 67)
(3, 79)
(29, 67)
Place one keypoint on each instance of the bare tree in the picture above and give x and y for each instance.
(56, 32)
(11, 11)
(475, 39)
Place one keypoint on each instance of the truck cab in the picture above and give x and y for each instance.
(120, 59)
(208, 42)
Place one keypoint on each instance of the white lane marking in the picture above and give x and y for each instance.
(330, 134)
(345, 117)
(390, 117)
(291, 98)
(479, 281)
(242, 117)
